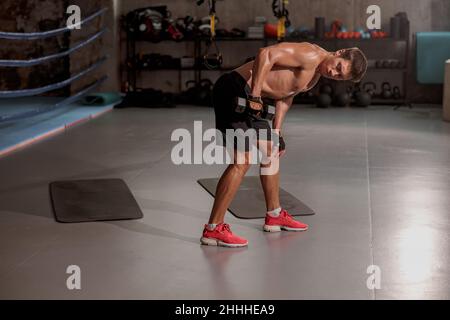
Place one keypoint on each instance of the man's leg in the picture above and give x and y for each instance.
(270, 177)
(271, 187)
(216, 232)
(227, 187)
(277, 219)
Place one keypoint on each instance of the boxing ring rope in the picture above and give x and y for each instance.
(33, 62)
(50, 33)
(63, 103)
(50, 87)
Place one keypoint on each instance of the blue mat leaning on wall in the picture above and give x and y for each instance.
(433, 49)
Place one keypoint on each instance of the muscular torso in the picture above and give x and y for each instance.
(285, 82)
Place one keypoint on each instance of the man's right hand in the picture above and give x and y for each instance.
(255, 105)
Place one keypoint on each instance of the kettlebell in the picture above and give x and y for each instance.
(362, 98)
(190, 95)
(343, 99)
(204, 92)
(386, 90)
(370, 87)
(396, 93)
(327, 89)
(323, 100)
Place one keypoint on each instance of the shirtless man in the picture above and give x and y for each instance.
(279, 72)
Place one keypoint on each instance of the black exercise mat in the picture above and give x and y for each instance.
(93, 200)
(249, 202)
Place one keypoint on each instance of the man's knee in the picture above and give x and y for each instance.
(241, 168)
(266, 165)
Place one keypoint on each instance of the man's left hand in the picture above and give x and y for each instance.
(279, 144)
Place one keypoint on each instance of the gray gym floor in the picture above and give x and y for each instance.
(378, 179)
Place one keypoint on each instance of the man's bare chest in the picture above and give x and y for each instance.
(291, 81)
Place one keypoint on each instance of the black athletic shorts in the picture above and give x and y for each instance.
(226, 89)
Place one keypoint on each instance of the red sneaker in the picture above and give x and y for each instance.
(222, 236)
(283, 222)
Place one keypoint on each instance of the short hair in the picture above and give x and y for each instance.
(359, 62)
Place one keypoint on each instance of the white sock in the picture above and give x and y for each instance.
(274, 213)
(211, 226)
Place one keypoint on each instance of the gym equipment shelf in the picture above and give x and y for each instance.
(131, 71)
(380, 48)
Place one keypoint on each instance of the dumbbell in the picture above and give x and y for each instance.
(243, 105)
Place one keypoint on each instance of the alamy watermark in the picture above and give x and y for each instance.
(374, 20)
(234, 147)
(74, 20)
(73, 282)
(374, 279)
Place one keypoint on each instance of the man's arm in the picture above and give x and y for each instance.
(287, 55)
(281, 108)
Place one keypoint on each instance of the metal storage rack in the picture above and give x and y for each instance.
(382, 48)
